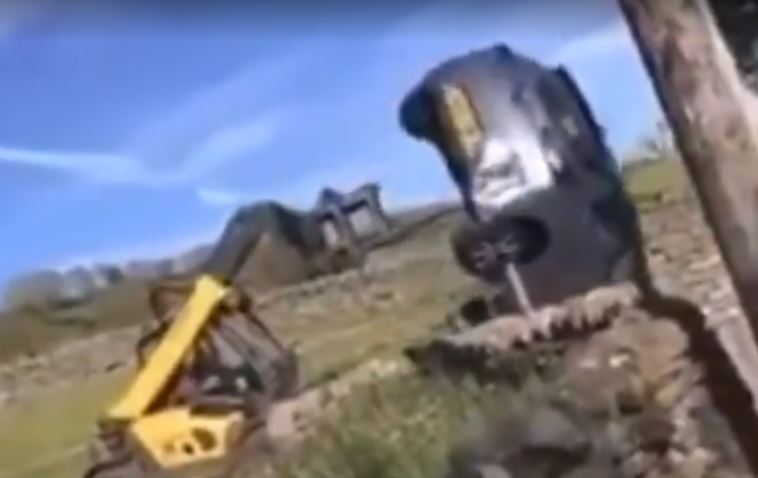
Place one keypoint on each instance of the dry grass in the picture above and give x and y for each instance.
(650, 182)
(25, 332)
(42, 437)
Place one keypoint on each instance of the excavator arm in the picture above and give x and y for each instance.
(209, 290)
(175, 345)
(212, 340)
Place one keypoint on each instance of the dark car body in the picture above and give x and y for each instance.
(521, 144)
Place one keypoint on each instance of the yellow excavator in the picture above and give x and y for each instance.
(207, 373)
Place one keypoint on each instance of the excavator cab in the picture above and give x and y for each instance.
(207, 372)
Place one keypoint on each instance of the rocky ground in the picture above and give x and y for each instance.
(637, 389)
(685, 262)
(629, 394)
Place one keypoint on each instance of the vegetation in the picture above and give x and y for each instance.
(45, 436)
(336, 329)
(652, 182)
(654, 173)
(32, 330)
(405, 428)
(401, 428)
(36, 327)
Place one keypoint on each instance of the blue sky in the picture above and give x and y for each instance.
(131, 131)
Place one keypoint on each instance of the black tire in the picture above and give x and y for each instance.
(527, 240)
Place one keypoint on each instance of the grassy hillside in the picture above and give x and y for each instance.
(401, 428)
(649, 182)
(34, 331)
(336, 326)
(49, 431)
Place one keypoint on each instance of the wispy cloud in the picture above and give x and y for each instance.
(98, 167)
(222, 122)
(207, 154)
(604, 40)
(237, 139)
(14, 13)
(231, 100)
(222, 197)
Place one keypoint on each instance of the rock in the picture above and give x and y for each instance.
(78, 284)
(549, 429)
(696, 464)
(627, 376)
(601, 469)
(652, 431)
(638, 464)
(540, 441)
(491, 471)
(487, 349)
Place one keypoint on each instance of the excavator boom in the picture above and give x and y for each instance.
(172, 350)
(211, 373)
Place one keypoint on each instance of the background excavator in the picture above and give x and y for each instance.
(207, 373)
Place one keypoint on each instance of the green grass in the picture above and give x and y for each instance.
(335, 339)
(402, 428)
(647, 180)
(43, 435)
(338, 338)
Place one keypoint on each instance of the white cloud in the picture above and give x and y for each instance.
(608, 39)
(230, 100)
(100, 167)
(238, 139)
(222, 197)
(205, 156)
(212, 127)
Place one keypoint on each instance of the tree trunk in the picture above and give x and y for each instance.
(699, 89)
